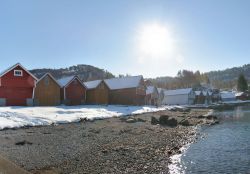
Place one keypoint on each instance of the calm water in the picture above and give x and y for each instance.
(225, 148)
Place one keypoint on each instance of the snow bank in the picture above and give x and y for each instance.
(14, 117)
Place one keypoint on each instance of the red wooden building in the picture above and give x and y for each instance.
(73, 91)
(17, 86)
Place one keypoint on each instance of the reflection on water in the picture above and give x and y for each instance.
(225, 148)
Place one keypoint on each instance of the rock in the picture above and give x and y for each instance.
(168, 121)
(140, 120)
(154, 121)
(163, 119)
(21, 143)
(83, 119)
(201, 117)
(185, 123)
(211, 117)
(131, 120)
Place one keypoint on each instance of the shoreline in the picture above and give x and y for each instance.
(114, 145)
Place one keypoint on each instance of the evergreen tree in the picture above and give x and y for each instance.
(242, 83)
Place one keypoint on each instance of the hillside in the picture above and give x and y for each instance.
(219, 79)
(228, 77)
(85, 72)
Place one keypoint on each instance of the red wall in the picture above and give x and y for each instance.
(75, 93)
(16, 89)
(9, 80)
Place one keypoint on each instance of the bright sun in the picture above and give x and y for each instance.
(155, 41)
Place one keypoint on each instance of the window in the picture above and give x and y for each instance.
(18, 73)
(46, 81)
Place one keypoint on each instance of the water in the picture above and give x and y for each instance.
(225, 147)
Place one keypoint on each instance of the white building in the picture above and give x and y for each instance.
(179, 97)
(227, 96)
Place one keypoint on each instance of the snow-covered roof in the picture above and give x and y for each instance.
(63, 82)
(92, 84)
(226, 94)
(124, 82)
(197, 92)
(178, 91)
(150, 90)
(14, 66)
(237, 94)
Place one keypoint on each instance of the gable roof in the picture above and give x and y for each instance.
(48, 74)
(124, 82)
(159, 90)
(197, 92)
(92, 84)
(150, 90)
(178, 91)
(64, 82)
(14, 66)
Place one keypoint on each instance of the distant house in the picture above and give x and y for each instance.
(47, 91)
(242, 96)
(161, 95)
(215, 95)
(208, 95)
(199, 97)
(97, 92)
(127, 90)
(227, 96)
(17, 86)
(152, 96)
(73, 91)
(179, 97)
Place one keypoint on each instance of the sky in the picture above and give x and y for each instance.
(143, 37)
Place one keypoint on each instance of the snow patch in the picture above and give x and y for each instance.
(14, 117)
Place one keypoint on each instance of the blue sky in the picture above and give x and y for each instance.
(208, 34)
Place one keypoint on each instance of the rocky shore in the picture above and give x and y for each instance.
(133, 144)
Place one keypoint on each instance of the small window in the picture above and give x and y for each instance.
(46, 81)
(18, 73)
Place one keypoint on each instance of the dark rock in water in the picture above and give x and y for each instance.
(21, 143)
(168, 121)
(154, 121)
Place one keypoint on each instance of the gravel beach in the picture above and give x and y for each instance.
(116, 145)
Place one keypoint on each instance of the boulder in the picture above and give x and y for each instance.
(131, 120)
(163, 119)
(185, 123)
(211, 117)
(168, 121)
(154, 121)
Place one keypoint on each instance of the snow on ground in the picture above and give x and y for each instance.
(14, 117)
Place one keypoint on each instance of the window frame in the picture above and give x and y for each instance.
(18, 75)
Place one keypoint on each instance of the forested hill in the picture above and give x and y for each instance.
(85, 72)
(219, 79)
(228, 77)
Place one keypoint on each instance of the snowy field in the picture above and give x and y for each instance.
(14, 117)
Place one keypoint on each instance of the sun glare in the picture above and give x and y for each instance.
(155, 41)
